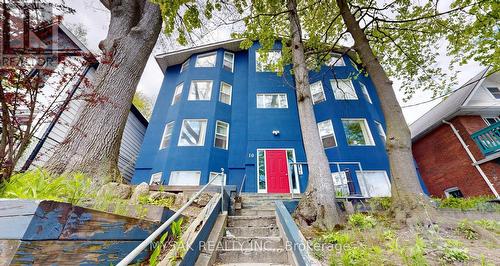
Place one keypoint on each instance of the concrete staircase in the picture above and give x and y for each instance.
(252, 236)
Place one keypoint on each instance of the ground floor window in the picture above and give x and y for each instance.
(374, 183)
(453, 192)
(184, 178)
(155, 179)
(218, 178)
(341, 185)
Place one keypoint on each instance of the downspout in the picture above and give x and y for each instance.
(474, 161)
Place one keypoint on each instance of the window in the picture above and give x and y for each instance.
(185, 65)
(261, 170)
(177, 93)
(343, 89)
(225, 93)
(206, 60)
(381, 131)
(184, 178)
(326, 133)
(491, 120)
(219, 179)
(494, 91)
(263, 64)
(453, 192)
(341, 185)
(193, 132)
(374, 183)
(317, 92)
(357, 132)
(335, 60)
(365, 92)
(221, 135)
(167, 133)
(155, 179)
(272, 100)
(228, 61)
(201, 90)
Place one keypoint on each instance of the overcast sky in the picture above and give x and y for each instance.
(95, 19)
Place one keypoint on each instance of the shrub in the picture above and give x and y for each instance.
(466, 230)
(336, 238)
(472, 203)
(382, 203)
(454, 252)
(362, 221)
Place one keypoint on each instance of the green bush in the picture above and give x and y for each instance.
(362, 221)
(454, 251)
(380, 203)
(472, 203)
(465, 229)
(336, 238)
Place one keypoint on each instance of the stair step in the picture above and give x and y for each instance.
(252, 231)
(251, 221)
(259, 205)
(257, 243)
(255, 212)
(252, 256)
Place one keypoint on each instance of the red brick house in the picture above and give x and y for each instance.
(456, 145)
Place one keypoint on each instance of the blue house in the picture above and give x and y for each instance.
(223, 107)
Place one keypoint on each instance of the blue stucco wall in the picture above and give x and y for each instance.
(251, 128)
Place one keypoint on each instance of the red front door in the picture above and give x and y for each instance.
(277, 172)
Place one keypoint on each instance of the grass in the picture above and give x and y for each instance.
(473, 203)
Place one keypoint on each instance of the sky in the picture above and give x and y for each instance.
(93, 16)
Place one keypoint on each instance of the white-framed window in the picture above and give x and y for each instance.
(184, 178)
(200, 90)
(221, 135)
(327, 134)
(374, 183)
(228, 61)
(343, 89)
(155, 179)
(206, 60)
(225, 93)
(177, 93)
(453, 192)
(491, 120)
(340, 182)
(381, 131)
(185, 65)
(365, 92)
(494, 91)
(219, 178)
(193, 132)
(357, 132)
(272, 100)
(335, 60)
(167, 134)
(317, 92)
(263, 65)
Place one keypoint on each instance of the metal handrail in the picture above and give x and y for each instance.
(242, 183)
(134, 253)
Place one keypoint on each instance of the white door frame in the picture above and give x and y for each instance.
(297, 190)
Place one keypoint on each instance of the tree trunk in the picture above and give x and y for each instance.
(407, 195)
(318, 206)
(93, 143)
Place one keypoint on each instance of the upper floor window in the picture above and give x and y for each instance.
(326, 133)
(177, 93)
(357, 132)
(335, 60)
(206, 60)
(225, 94)
(155, 179)
(494, 91)
(228, 61)
(221, 135)
(381, 130)
(491, 120)
(193, 132)
(272, 100)
(365, 92)
(343, 89)
(185, 65)
(184, 178)
(167, 134)
(317, 92)
(264, 64)
(200, 90)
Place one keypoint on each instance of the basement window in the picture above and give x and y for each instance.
(453, 192)
(155, 179)
(218, 178)
(184, 178)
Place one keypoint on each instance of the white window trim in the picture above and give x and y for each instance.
(224, 176)
(362, 183)
(204, 80)
(447, 192)
(257, 55)
(295, 169)
(322, 91)
(333, 132)
(334, 88)
(382, 128)
(181, 86)
(277, 93)
(490, 93)
(206, 55)
(165, 145)
(490, 117)
(224, 59)
(367, 127)
(154, 176)
(204, 135)
(215, 135)
(230, 92)
(185, 65)
(182, 171)
(364, 89)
